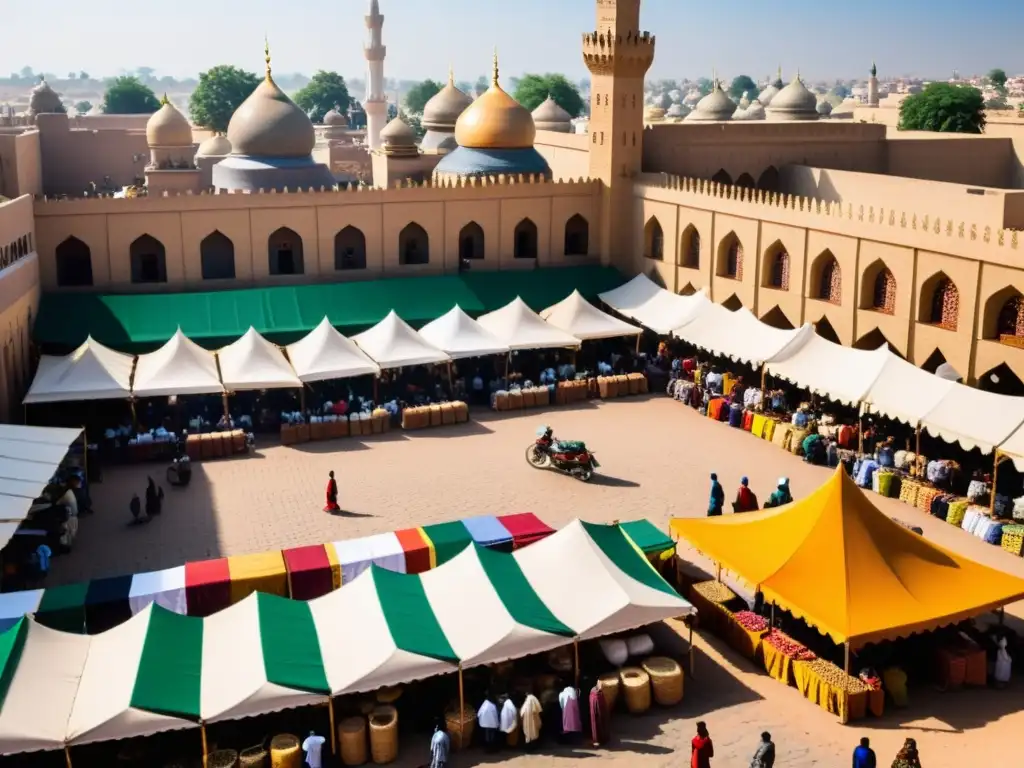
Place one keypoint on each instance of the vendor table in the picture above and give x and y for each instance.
(63, 607)
(645, 535)
(107, 603)
(812, 685)
(777, 664)
(743, 640)
(207, 586)
(166, 588)
(447, 540)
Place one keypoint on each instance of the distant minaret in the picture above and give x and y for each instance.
(873, 86)
(376, 102)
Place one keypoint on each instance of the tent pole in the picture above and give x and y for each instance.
(1002, 615)
(334, 733)
(846, 657)
(691, 646)
(576, 660)
(508, 362)
(764, 378)
(224, 402)
(85, 453)
(202, 734)
(917, 440)
(67, 756)
(451, 386)
(462, 709)
(995, 476)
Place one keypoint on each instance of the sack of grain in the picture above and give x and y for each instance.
(447, 413)
(541, 397)
(435, 415)
(634, 380)
(461, 412)
(529, 400)
(500, 400)
(604, 386)
(515, 400)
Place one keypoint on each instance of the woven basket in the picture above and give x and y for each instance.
(222, 758)
(253, 757)
(636, 685)
(389, 695)
(609, 686)
(666, 679)
(384, 734)
(352, 737)
(460, 730)
(285, 751)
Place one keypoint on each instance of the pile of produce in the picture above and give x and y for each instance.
(750, 621)
(836, 678)
(1013, 538)
(789, 647)
(714, 591)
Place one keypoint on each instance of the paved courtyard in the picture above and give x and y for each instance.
(655, 456)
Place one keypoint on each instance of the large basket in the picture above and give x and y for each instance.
(636, 686)
(253, 757)
(460, 729)
(384, 734)
(352, 737)
(285, 751)
(609, 686)
(222, 758)
(666, 679)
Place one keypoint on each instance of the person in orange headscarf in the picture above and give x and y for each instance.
(332, 495)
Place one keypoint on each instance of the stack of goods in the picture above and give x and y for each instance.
(940, 505)
(978, 523)
(615, 650)
(789, 647)
(925, 495)
(285, 752)
(716, 408)
(796, 440)
(780, 651)
(666, 679)
(978, 491)
(714, 591)
(748, 420)
(1013, 538)
(909, 490)
(838, 692)
(636, 688)
(768, 431)
(736, 415)
(746, 632)
(783, 435)
(710, 597)
(524, 397)
(384, 734)
(904, 460)
(575, 391)
(421, 416)
(942, 472)
(957, 510)
(751, 621)
(352, 738)
(214, 445)
(885, 482)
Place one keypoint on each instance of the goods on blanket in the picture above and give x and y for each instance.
(978, 491)
(750, 621)
(640, 645)
(636, 686)
(1013, 538)
(460, 726)
(352, 737)
(384, 734)
(609, 686)
(788, 647)
(222, 758)
(714, 591)
(285, 751)
(666, 679)
(615, 650)
(253, 757)
(836, 678)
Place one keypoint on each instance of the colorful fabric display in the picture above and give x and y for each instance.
(769, 429)
(757, 424)
(800, 419)
(865, 473)
(752, 398)
(748, 420)
(908, 491)
(978, 490)
(736, 415)
(1013, 539)
(957, 510)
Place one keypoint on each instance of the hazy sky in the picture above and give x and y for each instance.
(824, 39)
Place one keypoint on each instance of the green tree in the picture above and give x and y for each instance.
(945, 108)
(83, 106)
(534, 89)
(998, 79)
(418, 96)
(743, 84)
(324, 92)
(221, 91)
(704, 85)
(126, 95)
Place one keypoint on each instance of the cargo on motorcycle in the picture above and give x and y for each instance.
(569, 456)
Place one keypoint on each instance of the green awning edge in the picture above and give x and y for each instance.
(626, 556)
(170, 673)
(646, 535)
(410, 619)
(291, 646)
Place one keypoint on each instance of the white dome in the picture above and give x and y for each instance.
(794, 102)
(215, 146)
(167, 127)
(716, 106)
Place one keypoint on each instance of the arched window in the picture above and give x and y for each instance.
(689, 248)
(413, 245)
(284, 249)
(217, 254)
(777, 259)
(722, 177)
(945, 304)
(149, 260)
(525, 246)
(654, 240)
(74, 264)
(471, 242)
(883, 297)
(745, 180)
(769, 180)
(349, 249)
(577, 236)
(1011, 318)
(730, 258)
(830, 280)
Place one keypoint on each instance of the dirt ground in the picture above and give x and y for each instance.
(656, 456)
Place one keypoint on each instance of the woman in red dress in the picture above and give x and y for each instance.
(332, 495)
(702, 748)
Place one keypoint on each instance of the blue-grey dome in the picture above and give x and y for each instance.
(468, 161)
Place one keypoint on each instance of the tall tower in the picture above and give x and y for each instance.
(618, 56)
(873, 86)
(376, 102)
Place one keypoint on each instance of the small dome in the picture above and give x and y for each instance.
(654, 114)
(167, 127)
(794, 102)
(215, 146)
(745, 101)
(769, 93)
(678, 111)
(446, 106)
(495, 121)
(824, 108)
(335, 119)
(44, 100)
(96, 110)
(398, 138)
(755, 111)
(269, 124)
(715, 106)
(549, 116)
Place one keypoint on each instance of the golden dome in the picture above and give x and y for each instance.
(168, 127)
(269, 124)
(495, 121)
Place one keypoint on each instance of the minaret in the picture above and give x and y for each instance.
(618, 56)
(873, 86)
(376, 102)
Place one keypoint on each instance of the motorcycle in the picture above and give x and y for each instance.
(571, 457)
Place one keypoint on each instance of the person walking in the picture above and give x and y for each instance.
(864, 755)
(717, 500)
(701, 748)
(907, 757)
(746, 501)
(764, 757)
(332, 494)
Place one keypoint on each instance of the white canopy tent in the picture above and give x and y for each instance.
(575, 315)
(975, 418)
(91, 372)
(741, 336)
(654, 307)
(612, 602)
(460, 336)
(840, 373)
(324, 353)
(904, 392)
(179, 367)
(252, 362)
(392, 343)
(520, 327)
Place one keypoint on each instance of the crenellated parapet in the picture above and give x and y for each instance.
(629, 55)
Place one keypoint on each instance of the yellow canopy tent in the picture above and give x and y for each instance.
(843, 566)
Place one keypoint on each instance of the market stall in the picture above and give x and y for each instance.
(107, 603)
(740, 335)
(179, 367)
(63, 607)
(525, 528)
(392, 343)
(647, 537)
(520, 328)
(460, 336)
(312, 571)
(843, 374)
(654, 307)
(253, 363)
(578, 317)
(91, 372)
(324, 353)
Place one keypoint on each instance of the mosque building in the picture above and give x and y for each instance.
(871, 234)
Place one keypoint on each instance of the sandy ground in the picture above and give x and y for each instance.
(656, 456)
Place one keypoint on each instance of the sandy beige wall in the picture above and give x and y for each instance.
(568, 154)
(19, 304)
(977, 161)
(74, 158)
